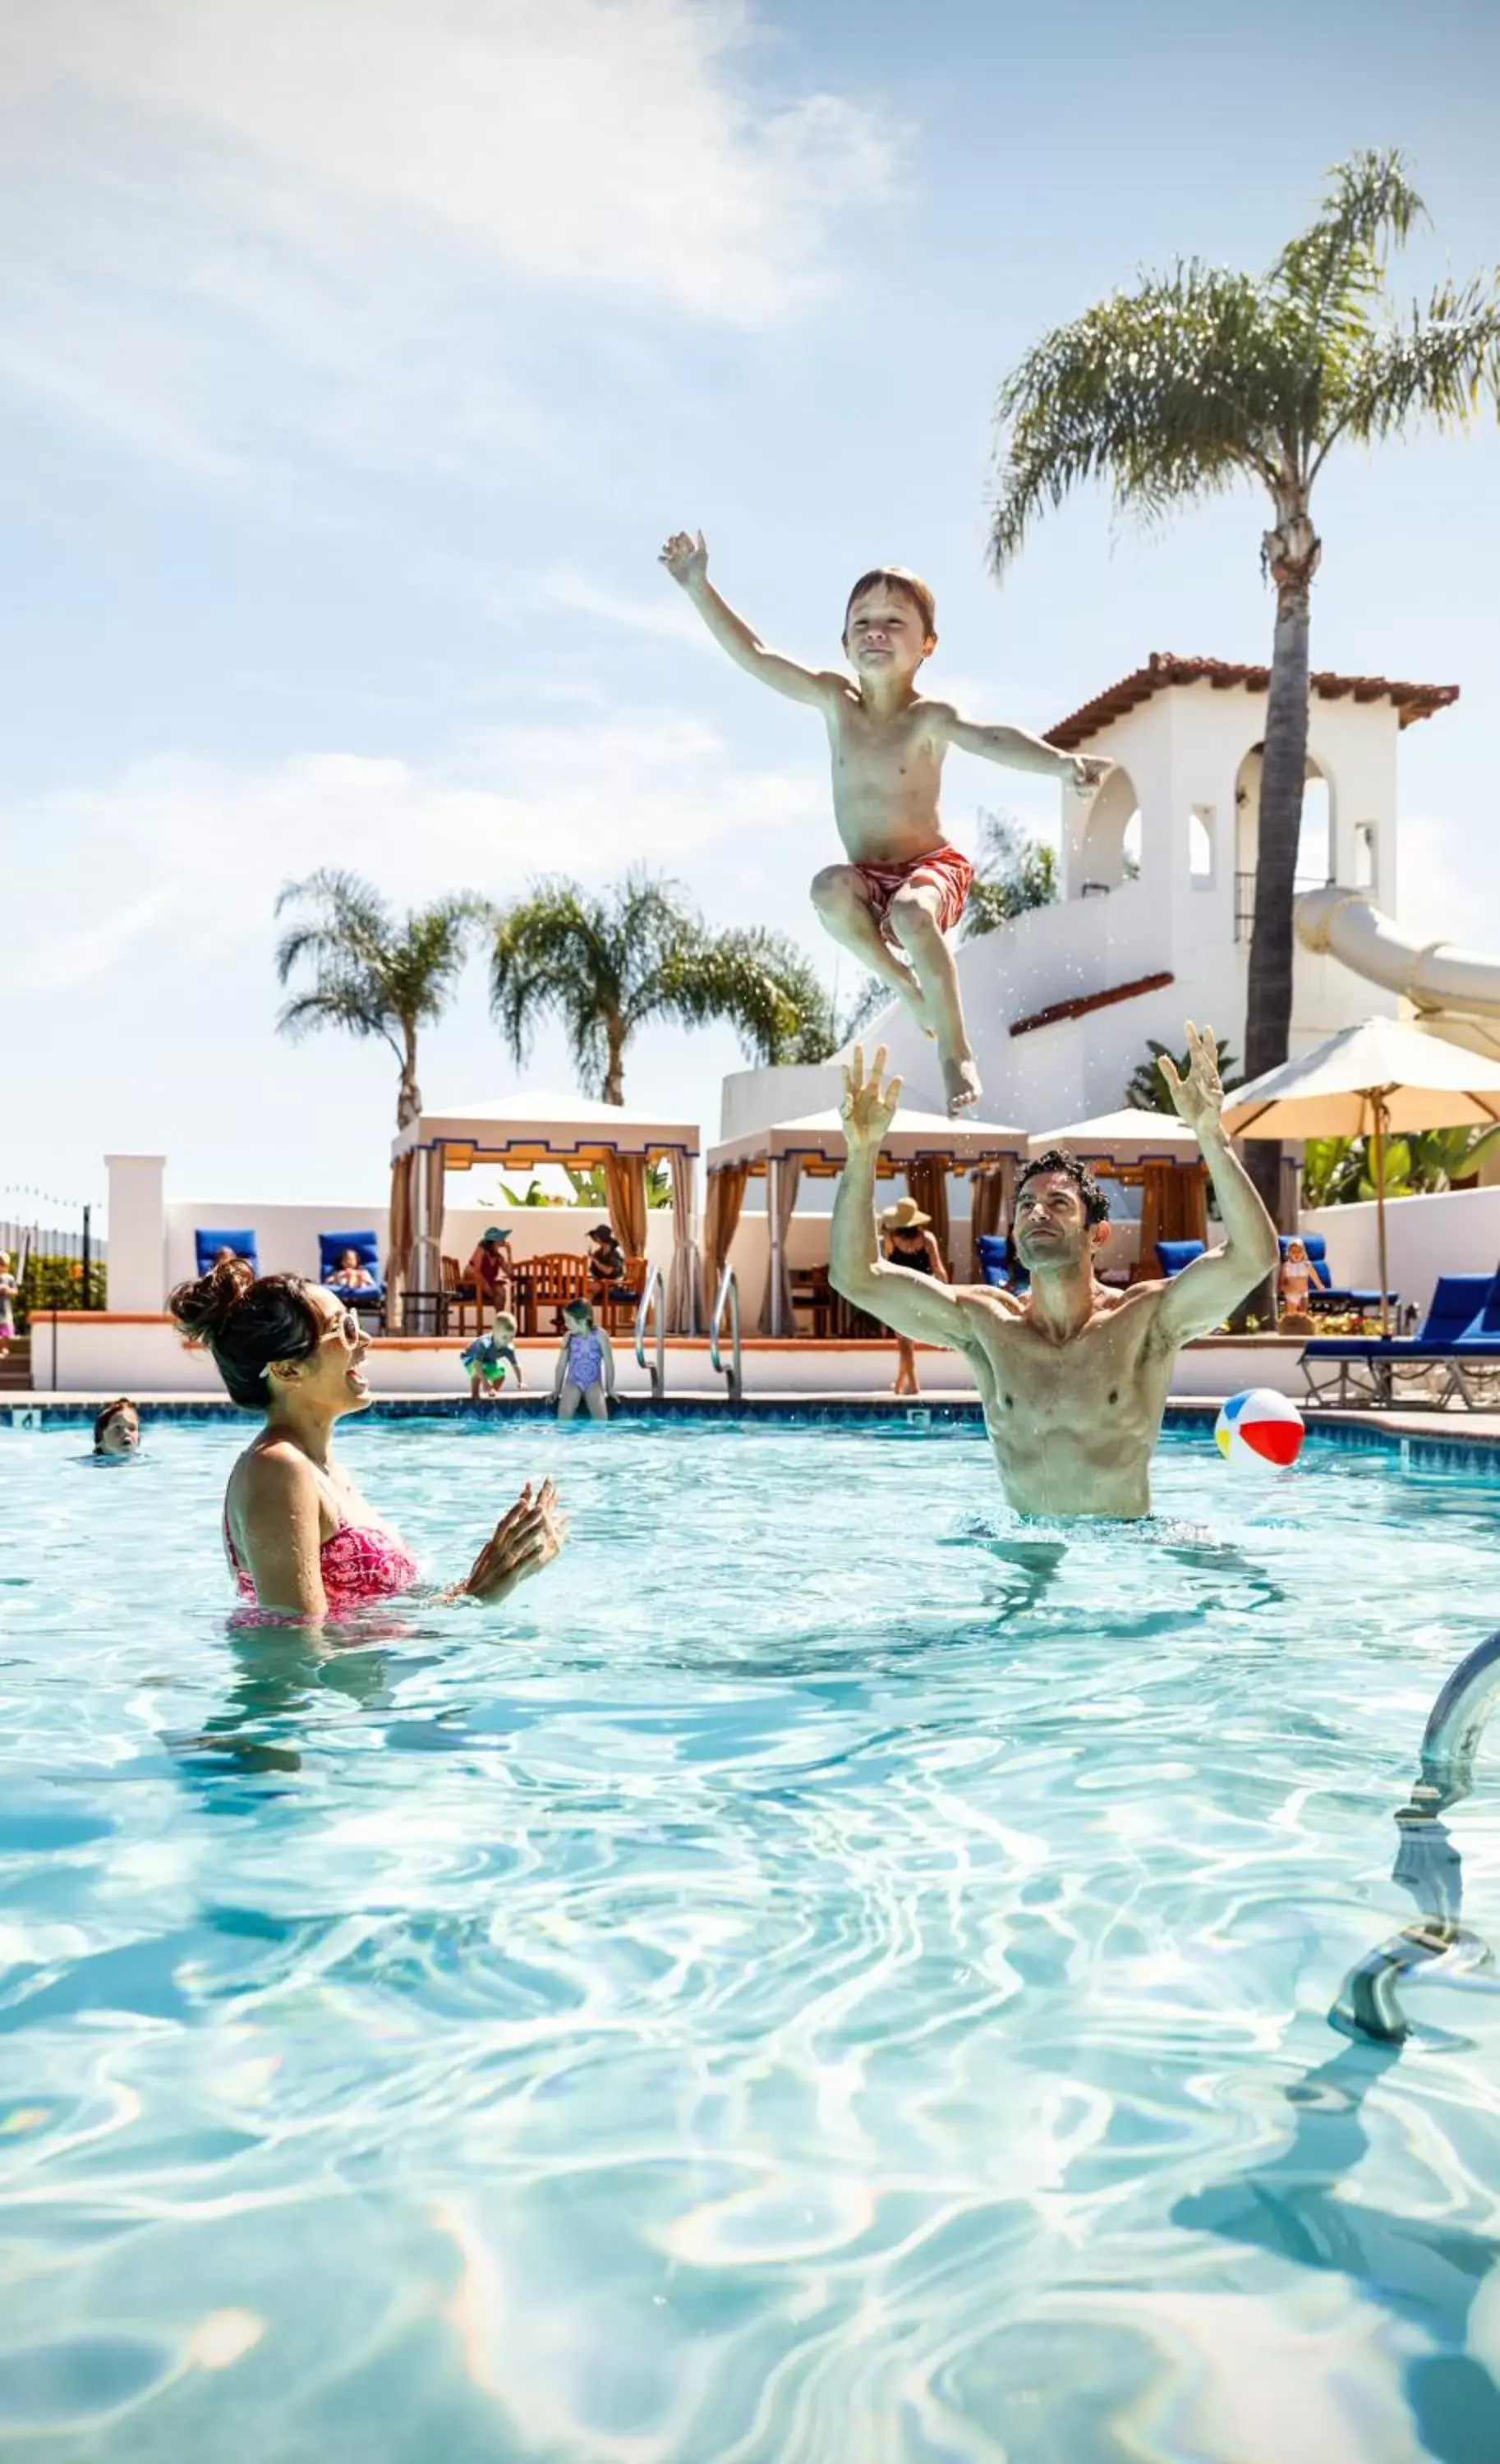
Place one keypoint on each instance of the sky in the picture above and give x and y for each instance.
(354, 362)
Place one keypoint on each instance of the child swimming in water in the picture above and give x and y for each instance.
(489, 1356)
(903, 887)
(585, 1365)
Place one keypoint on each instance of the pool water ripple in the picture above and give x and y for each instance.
(834, 1976)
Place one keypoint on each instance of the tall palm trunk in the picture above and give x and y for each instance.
(1291, 552)
(408, 1102)
(614, 1074)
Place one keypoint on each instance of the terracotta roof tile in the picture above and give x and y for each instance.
(1164, 667)
(1087, 1002)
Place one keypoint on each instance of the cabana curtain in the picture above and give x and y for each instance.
(726, 1196)
(398, 1255)
(991, 1208)
(1174, 1207)
(788, 1178)
(928, 1184)
(684, 1284)
(625, 1188)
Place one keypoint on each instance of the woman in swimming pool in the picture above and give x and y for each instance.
(300, 1539)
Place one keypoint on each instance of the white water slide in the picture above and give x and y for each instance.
(1456, 992)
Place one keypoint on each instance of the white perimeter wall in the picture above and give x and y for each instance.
(147, 1356)
(1455, 1233)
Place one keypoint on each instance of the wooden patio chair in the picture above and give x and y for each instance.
(813, 1293)
(617, 1313)
(458, 1296)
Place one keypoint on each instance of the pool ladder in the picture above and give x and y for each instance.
(1427, 1863)
(728, 1296)
(653, 1291)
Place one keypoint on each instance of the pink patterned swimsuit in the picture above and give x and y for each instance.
(358, 1563)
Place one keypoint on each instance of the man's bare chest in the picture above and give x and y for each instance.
(1101, 1376)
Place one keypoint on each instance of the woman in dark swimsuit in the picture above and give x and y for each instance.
(909, 1242)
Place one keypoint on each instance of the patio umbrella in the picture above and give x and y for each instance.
(1367, 1081)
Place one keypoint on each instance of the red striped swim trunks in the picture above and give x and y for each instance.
(942, 869)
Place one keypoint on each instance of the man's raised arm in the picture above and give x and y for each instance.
(910, 1304)
(1201, 1296)
(686, 559)
(1020, 751)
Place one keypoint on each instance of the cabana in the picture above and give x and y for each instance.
(522, 1132)
(1153, 1151)
(922, 1147)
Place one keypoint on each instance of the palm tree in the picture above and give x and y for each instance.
(1146, 1090)
(1202, 380)
(372, 973)
(1015, 872)
(607, 961)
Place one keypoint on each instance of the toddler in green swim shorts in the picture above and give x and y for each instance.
(489, 1356)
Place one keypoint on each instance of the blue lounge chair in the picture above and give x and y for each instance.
(331, 1247)
(1461, 1327)
(208, 1244)
(1172, 1256)
(999, 1266)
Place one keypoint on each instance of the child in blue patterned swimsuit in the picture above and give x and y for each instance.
(585, 1365)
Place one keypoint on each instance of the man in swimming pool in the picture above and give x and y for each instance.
(1073, 1377)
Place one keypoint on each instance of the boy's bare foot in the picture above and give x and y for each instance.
(908, 989)
(961, 1080)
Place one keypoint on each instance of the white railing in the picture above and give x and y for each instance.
(727, 1296)
(653, 1291)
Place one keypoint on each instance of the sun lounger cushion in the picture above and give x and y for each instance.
(1172, 1256)
(208, 1244)
(994, 1249)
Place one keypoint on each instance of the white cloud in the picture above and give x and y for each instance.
(230, 235)
(185, 856)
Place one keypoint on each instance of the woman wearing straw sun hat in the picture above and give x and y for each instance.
(909, 1242)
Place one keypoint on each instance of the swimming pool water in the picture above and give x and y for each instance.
(827, 1976)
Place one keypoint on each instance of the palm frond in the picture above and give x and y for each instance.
(1175, 391)
(1436, 368)
(1336, 265)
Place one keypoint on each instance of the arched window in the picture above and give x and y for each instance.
(1200, 845)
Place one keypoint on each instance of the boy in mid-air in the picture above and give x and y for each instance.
(904, 886)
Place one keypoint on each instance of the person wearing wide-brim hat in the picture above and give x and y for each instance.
(489, 1270)
(908, 1242)
(606, 1264)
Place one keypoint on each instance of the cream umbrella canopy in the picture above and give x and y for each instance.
(1367, 1081)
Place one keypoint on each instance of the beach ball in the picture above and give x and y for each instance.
(1262, 1428)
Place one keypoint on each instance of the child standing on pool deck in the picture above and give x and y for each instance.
(904, 886)
(585, 1365)
(489, 1356)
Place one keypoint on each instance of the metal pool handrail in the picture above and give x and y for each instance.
(654, 1289)
(1427, 1863)
(728, 1293)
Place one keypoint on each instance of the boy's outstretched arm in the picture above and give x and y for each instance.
(1020, 751)
(686, 560)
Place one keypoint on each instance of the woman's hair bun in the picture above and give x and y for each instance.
(202, 1310)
